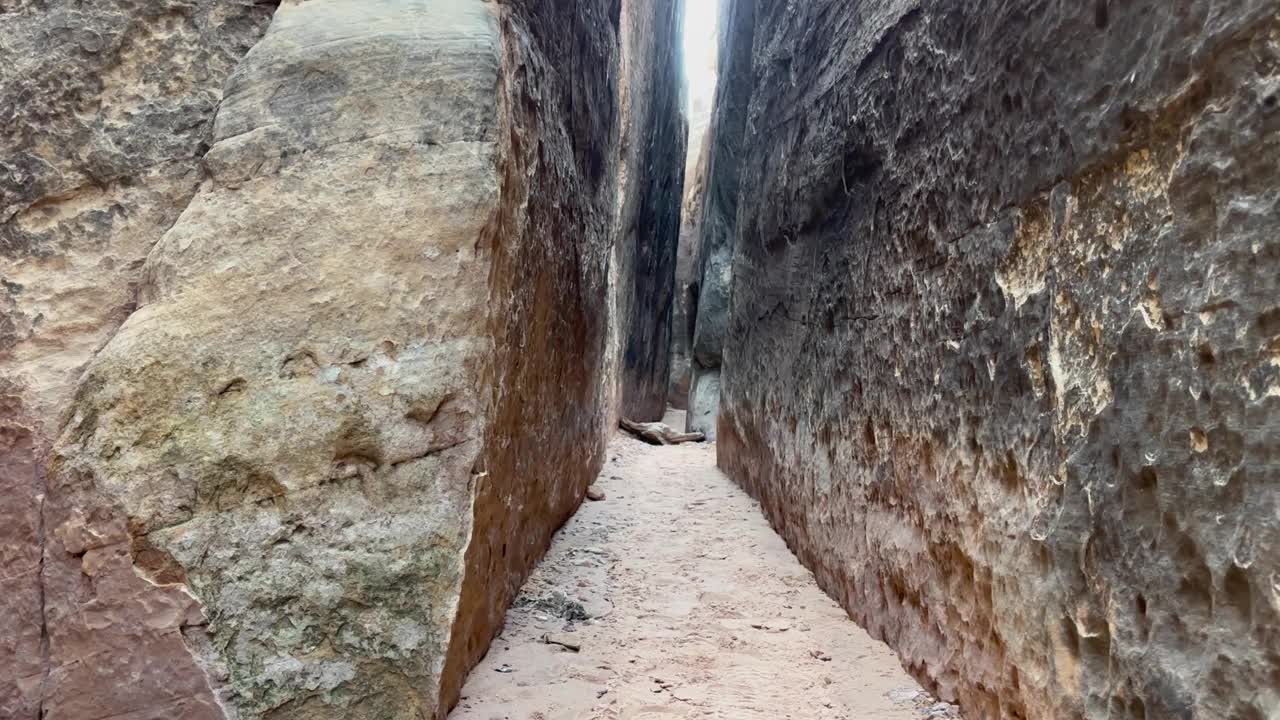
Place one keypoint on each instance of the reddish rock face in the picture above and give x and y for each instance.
(22, 644)
(1000, 362)
(545, 441)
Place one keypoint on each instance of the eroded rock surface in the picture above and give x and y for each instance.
(550, 391)
(1001, 362)
(290, 420)
(686, 289)
(105, 111)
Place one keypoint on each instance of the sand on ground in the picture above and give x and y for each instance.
(696, 609)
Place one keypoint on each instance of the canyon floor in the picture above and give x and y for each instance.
(681, 602)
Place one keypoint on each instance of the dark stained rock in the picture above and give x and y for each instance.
(652, 145)
(695, 185)
(1001, 361)
(682, 316)
(552, 241)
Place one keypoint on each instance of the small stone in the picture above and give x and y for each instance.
(905, 695)
(564, 642)
(504, 668)
(942, 710)
(819, 655)
(595, 494)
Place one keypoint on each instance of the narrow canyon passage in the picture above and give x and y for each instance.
(695, 609)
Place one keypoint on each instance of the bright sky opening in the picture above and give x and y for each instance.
(700, 46)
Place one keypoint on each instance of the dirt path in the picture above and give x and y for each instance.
(696, 610)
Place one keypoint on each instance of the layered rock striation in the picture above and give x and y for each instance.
(1001, 361)
(299, 376)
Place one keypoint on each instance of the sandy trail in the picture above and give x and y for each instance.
(697, 610)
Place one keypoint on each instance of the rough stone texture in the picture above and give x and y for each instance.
(1003, 357)
(105, 111)
(652, 144)
(364, 373)
(713, 267)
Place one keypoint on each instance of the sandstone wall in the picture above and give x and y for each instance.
(701, 70)
(288, 423)
(325, 372)
(1001, 362)
(651, 147)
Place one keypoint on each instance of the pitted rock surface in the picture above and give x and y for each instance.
(718, 229)
(1001, 356)
(291, 418)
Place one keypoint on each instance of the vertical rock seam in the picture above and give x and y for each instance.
(1002, 355)
(687, 252)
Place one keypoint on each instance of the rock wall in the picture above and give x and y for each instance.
(553, 401)
(713, 265)
(697, 155)
(1002, 355)
(288, 423)
(323, 354)
(652, 145)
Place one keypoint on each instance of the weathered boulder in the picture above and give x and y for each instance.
(362, 378)
(291, 419)
(105, 111)
(1001, 362)
(651, 162)
(713, 266)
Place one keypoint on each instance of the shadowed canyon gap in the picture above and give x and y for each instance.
(318, 315)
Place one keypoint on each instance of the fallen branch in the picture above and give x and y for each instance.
(567, 645)
(659, 434)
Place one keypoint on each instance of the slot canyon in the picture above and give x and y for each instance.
(627, 359)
